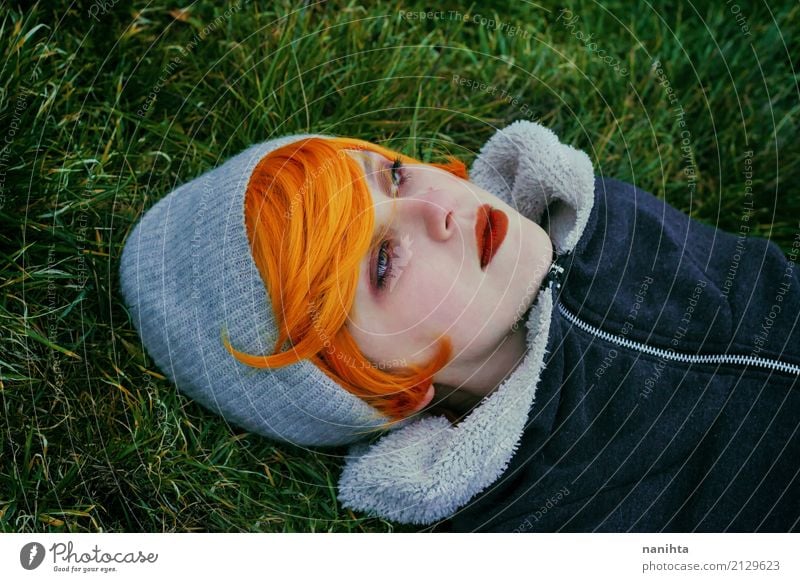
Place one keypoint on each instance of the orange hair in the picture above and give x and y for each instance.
(309, 219)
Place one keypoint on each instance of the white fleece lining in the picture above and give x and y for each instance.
(425, 471)
(528, 168)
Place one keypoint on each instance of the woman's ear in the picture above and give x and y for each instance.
(425, 401)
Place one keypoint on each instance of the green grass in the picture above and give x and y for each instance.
(95, 438)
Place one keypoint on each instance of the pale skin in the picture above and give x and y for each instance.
(441, 289)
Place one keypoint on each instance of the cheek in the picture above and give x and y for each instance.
(436, 298)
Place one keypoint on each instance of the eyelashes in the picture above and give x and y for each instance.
(394, 176)
(397, 173)
(394, 265)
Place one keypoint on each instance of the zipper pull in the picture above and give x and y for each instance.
(555, 275)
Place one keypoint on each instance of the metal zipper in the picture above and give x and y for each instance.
(554, 277)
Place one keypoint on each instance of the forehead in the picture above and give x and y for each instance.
(367, 159)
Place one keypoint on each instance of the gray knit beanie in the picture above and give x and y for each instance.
(186, 272)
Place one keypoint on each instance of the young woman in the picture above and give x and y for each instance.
(546, 350)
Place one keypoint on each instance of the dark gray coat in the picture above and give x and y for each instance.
(660, 389)
(623, 440)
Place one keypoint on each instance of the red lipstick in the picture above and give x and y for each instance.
(491, 227)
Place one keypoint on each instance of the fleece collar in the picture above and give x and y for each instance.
(427, 470)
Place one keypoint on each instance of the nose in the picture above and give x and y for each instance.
(433, 207)
(438, 218)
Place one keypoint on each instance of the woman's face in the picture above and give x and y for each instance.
(437, 286)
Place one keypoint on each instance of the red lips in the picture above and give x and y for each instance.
(490, 230)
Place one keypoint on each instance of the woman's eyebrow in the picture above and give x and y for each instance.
(374, 170)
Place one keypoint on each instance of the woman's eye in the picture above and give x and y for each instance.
(396, 173)
(392, 258)
(383, 270)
